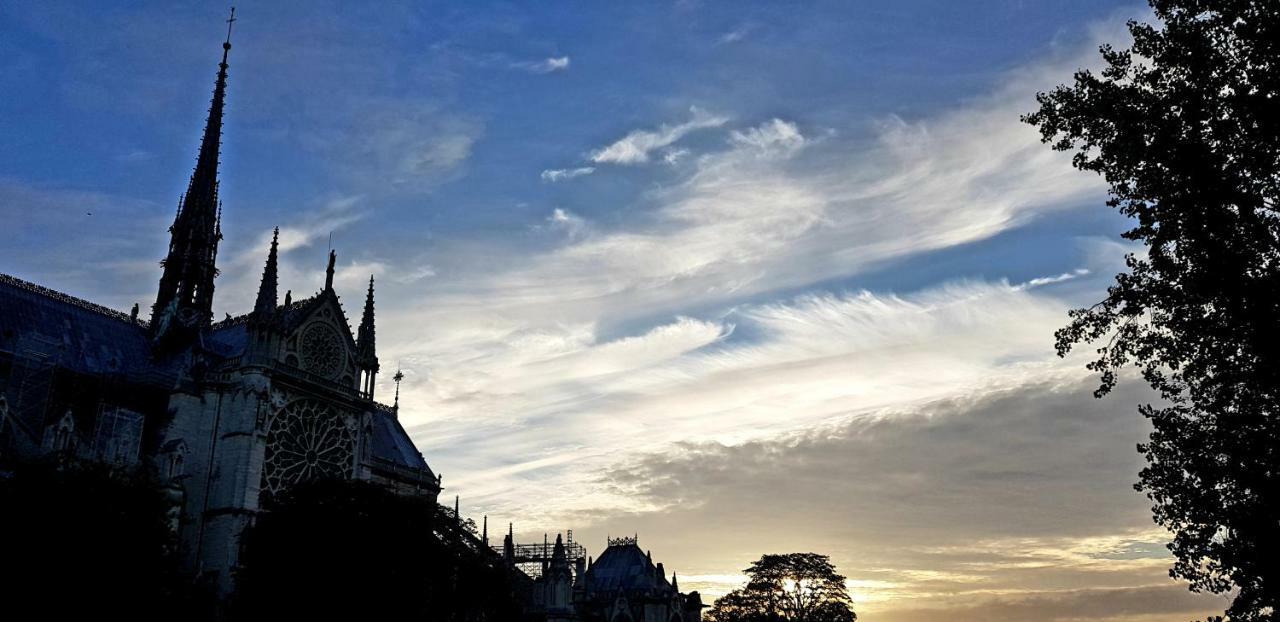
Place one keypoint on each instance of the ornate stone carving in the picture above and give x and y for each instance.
(308, 439)
(321, 350)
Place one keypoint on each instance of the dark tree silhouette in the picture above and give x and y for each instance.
(328, 550)
(1185, 127)
(85, 542)
(794, 587)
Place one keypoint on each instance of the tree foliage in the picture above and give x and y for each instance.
(353, 550)
(1184, 125)
(794, 587)
(83, 541)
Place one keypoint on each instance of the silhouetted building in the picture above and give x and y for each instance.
(622, 585)
(229, 412)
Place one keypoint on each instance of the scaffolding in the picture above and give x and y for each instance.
(531, 557)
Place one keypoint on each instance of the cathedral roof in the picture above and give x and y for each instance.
(391, 443)
(75, 334)
(78, 335)
(230, 336)
(623, 566)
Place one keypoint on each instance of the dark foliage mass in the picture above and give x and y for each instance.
(1185, 127)
(352, 550)
(84, 542)
(794, 587)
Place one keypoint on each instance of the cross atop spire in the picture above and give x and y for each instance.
(398, 377)
(230, 21)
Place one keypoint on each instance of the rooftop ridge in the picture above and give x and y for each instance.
(244, 317)
(71, 300)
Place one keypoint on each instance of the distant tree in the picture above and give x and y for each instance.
(1185, 128)
(794, 587)
(82, 541)
(329, 550)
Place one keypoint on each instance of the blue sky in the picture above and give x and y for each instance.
(742, 277)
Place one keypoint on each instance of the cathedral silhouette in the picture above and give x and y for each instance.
(228, 414)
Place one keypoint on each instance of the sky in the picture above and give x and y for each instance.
(739, 278)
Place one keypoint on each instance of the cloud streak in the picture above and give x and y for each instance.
(547, 65)
(635, 147)
(562, 174)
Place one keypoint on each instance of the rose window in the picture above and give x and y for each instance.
(307, 440)
(321, 350)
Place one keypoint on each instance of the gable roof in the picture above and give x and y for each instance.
(78, 335)
(623, 567)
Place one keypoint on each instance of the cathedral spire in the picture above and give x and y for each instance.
(266, 303)
(184, 302)
(202, 191)
(365, 347)
(366, 351)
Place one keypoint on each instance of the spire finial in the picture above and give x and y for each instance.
(230, 21)
(398, 377)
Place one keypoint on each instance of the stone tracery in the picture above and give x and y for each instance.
(307, 440)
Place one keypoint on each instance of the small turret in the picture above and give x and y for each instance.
(366, 349)
(509, 545)
(263, 324)
(265, 306)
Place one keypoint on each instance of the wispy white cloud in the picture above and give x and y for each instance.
(561, 174)
(547, 65)
(736, 35)
(533, 342)
(1050, 280)
(635, 147)
(560, 63)
(398, 147)
(564, 220)
(727, 379)
(774, 137)
(674, 156)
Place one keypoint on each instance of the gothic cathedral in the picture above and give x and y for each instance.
(229, 413)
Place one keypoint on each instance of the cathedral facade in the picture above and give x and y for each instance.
(227, 413)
